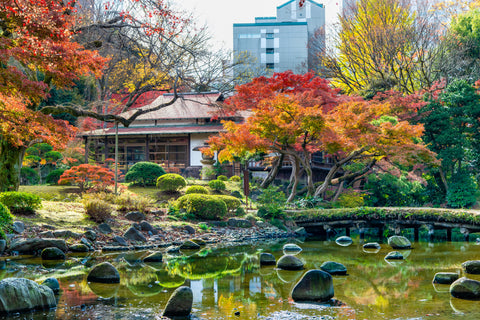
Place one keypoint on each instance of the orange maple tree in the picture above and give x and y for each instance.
(88, 176)
(36, 53)
(295, 120)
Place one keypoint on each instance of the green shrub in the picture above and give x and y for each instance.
(240, 212)
(462, 191)
(235, 178)
(232, 203)
(20, 202)
(236, 194)
(171, 182)
(128, 201)
(144, 173)
(6, 218)
(222, 178)
(29, 176)
(196, 189)
(54, 176)
(202, 206)
(271, 203)
(3, 236)
(351, 199)
(387, 190)
(98, 210)
(217, 185)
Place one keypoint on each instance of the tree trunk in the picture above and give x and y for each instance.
(276, 166)
(296, 178)
(339, 191)
(11, 158)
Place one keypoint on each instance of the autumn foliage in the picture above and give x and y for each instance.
(87, 176)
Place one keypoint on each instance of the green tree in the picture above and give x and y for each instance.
(42, 157)
(452, 124)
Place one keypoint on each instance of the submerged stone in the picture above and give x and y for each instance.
(315, 285)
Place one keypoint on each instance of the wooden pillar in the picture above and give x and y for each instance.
(416, 234)
(329, 231)
(86, 149)
(105, 144)
(449, 234)
(466, 234)
(347, 231)
(147, 148)
(361, 230)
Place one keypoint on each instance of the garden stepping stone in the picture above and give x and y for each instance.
(104, 273)
(344, 241)
(372, 245)
(53, 253)
(292, 248)
(445, 277)
(334, 268)
(289, 262)
(471, 267)
(394, 255)
(180, 303)
(399, 242)
(267, 259)
(465, 288)
(315, 285)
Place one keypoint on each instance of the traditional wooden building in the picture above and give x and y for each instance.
(166, 136)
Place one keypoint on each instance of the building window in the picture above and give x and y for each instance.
(270, 65)
(269, 36)
(249, 36)
(270, 50)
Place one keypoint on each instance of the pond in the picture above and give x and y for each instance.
(229, 280)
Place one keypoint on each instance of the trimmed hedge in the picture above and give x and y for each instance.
(222, 178)
(54, 176)
(232, 203)
(171, 182)
(370, 213)
(202, 206)
(144, 173)
(235, 178)
(20, 202)
(196, 189)
(217, 185)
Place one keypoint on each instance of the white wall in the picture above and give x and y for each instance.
(197, 139)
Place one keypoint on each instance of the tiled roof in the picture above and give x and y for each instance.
(156, 130)
(187, 106)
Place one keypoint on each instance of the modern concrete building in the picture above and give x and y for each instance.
(281, 43)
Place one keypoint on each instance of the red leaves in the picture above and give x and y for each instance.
(87, 176)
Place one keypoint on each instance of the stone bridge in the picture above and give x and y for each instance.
(323, 222)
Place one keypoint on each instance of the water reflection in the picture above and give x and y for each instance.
(226, 281)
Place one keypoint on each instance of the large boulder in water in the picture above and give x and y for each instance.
(30, 246)
(289, 262)
(472, 266)
(399, 242)
(53, 253)
(465, 288)
(17, 295)
(334, 268)
(180, 303)
(104, 273)
(315, 285)
(445, 277)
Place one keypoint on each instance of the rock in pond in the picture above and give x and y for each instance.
(53, 284)
(289, 262)
(399, 242)
(315, 285)
(445, 277)
(189, 245)
(33, 245)
(78, 247)
(17, 295)
(133, 234)
(104, 273)
(291, 247)
(344, 241)
(154, 257)
(135, 216)
(180, 303)
(267, 259)
(371, 245)
(394, 255)
(465, 288)
(334, 268)
(471, 266)
(53, 253)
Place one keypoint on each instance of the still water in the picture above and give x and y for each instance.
(227, 280)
